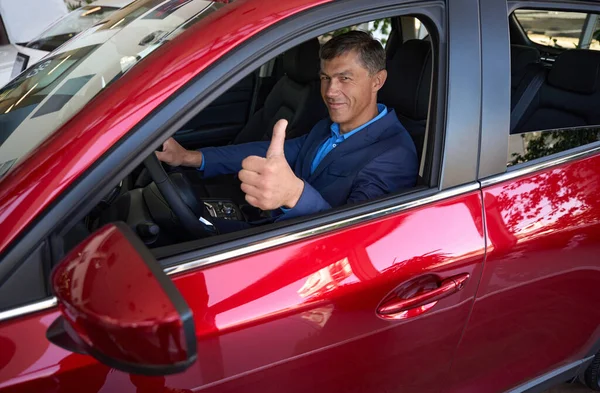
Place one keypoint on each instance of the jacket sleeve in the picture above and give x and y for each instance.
(226, 160)
(310, 202)
(383, 175)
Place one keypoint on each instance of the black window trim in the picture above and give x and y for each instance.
(124, 156)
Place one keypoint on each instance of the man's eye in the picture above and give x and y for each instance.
(344, 78)
(324, 78)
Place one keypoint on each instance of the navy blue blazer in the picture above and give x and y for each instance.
(377, 160)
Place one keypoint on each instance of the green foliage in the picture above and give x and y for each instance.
(381, 26)
(385, 28)
(551, 142)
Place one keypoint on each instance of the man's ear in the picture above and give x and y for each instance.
(379, 79)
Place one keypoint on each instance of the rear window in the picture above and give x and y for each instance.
(561, 29)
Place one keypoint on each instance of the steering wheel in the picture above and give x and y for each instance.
(182, 210)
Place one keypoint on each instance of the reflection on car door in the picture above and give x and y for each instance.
(304, 315)
(301, 317)
(537, 305)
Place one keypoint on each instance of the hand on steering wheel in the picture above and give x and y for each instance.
(188, 219)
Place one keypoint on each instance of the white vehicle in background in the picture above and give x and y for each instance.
(21, 53)
(50, 92)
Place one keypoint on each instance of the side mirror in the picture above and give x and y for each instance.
(119, 306)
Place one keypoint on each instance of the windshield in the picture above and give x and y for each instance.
(72, 24)
(45, 96)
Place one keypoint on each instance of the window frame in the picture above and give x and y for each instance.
(189, 100)
(494, 146)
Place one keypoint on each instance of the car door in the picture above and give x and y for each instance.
(303, 314)
(371, 297)
(535, 318)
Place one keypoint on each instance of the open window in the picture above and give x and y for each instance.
(555, 83)
(286, 86)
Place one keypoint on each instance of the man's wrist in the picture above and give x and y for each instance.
(296, 194)
(193, 158)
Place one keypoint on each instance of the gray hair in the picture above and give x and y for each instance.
(370, 52)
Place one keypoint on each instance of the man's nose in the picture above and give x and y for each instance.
(332, 89)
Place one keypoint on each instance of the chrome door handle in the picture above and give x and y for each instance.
(446, 288)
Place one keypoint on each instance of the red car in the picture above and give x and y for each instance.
(484, 277)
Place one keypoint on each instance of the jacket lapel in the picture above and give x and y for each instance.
(360, 140)
(314, 144)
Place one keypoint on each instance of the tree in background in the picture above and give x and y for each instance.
(380, 29)
(545, 143)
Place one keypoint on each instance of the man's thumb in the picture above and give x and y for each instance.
(278, 139)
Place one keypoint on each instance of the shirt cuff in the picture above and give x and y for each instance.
(201, 168)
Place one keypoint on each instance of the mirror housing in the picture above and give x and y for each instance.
(119, 306)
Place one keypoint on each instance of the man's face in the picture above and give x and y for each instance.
(349, 91)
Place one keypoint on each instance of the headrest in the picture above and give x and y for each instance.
(409, 80)
(576, 70)
(521, 56)
(301, 63)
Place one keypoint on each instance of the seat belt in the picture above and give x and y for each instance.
(519, 110)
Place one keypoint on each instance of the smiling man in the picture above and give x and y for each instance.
(360, 152)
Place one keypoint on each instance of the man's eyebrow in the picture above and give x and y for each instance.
(343, 73)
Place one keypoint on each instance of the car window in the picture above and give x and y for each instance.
(554, 95)
(561, 29)
(220, 197)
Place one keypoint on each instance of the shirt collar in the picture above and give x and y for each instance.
(335, 127)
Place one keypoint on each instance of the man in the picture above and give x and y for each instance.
(360, 152)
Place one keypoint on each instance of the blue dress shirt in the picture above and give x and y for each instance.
(337, 138)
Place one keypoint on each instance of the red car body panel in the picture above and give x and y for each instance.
(539, 289)
(31, 186)
(306, 308)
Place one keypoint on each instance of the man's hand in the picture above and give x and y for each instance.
(175, 155)
(270, 183)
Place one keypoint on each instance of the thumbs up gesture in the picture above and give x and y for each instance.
(270, 183)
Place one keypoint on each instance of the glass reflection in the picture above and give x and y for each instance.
(326, 279)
